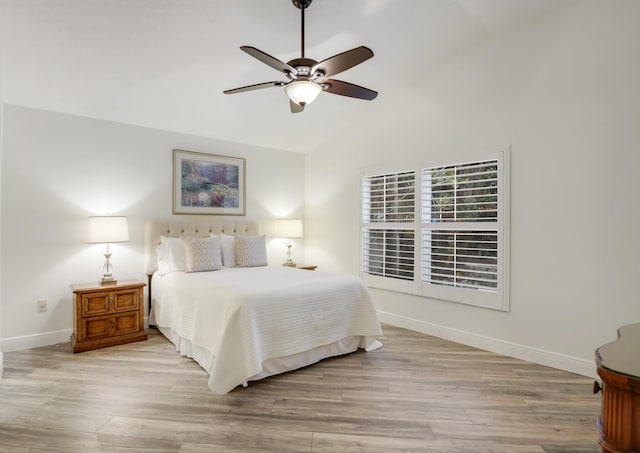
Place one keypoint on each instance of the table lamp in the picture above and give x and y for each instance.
(107, 230)
(288, 229)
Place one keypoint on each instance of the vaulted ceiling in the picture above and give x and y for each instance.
(165, 63)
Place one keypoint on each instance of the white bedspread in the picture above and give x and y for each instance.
(244, 316)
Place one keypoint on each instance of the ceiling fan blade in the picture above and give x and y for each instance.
(257, 86)
(269, 60)
(343, 61)
(349, 89)
(295, 108)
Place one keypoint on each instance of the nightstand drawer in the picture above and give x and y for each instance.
(92, 328)
(95, 304)
(109, 301)
(126, 323)
(126, 300)
(107, 326)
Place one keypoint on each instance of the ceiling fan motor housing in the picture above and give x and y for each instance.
(303, 66)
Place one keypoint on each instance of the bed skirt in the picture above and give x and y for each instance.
(273, 366)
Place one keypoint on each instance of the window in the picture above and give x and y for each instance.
(438, 231)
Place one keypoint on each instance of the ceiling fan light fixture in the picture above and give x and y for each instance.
(303, 92)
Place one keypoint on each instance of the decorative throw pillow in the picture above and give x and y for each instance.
(203, 254)
(251, 251)
(171, 255)
(228, 250)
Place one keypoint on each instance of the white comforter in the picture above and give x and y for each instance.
(244, 316)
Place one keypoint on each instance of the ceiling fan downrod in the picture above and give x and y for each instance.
(302, 5)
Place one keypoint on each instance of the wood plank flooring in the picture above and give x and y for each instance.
(416, 394)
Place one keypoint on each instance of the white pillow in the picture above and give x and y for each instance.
(171, 255)
(251, 251)
(228, 250)
(203, 254)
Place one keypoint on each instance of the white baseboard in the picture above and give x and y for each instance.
(535, 355)
(35, 340)
(38, 340)
(539, 356)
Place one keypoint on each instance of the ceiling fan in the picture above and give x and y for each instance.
(307, 78)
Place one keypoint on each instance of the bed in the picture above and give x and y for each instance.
(247, 320)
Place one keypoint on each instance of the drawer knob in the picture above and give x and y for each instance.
(596, 387)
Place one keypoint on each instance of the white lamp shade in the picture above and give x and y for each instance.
(303, 92)
(107, 229)
(289, 229)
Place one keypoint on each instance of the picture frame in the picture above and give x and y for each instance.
(208, 184)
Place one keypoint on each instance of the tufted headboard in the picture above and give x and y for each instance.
(191, 225)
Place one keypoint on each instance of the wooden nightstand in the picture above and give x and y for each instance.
(307, 267)
(107, 315)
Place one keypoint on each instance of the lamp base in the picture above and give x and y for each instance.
(289, 262)
(107, 269)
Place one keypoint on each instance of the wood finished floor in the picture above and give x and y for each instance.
(416, 394)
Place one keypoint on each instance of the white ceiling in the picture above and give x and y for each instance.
(165, 63)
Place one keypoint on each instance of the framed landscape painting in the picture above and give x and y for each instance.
(208, 184)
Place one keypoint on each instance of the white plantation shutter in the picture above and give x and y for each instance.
(388, 226)
(389, 253)
(466, 259)
(389, 198)
(461, 193)
(460, 236)
(447, 225)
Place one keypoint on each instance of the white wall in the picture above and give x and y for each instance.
(1, 147)
(58, 169)
(563, 92)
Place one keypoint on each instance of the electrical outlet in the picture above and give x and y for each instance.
(42, 304)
